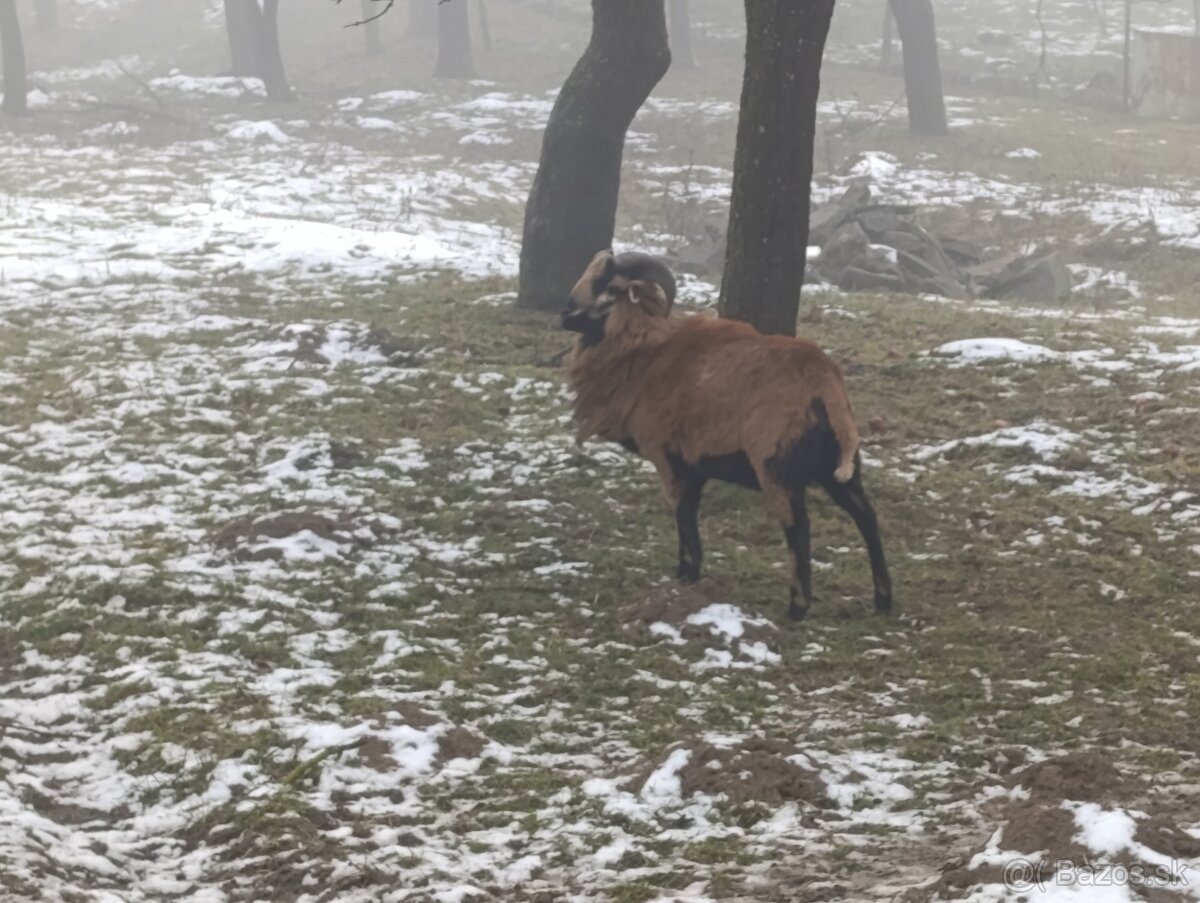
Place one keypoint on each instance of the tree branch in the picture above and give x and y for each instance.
(145, 86)
(379, 15)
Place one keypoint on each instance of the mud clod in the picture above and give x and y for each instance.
(759, 770)
(1087, 775)
(459, 743)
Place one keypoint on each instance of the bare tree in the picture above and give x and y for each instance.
(485, 27)
(370, 21)
(887, 46)
(1044, 55)
(454, 58)
(772, 168)
(254, 44)
(45, 14)
(12, 48)
(1127, 58)
(270, 58)
(239, 26)
(922, 69)
(681, 33)
(572, 206)
(1102, 18)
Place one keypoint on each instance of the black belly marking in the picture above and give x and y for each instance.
(734, 468)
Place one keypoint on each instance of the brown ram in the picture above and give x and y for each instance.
(703, 398)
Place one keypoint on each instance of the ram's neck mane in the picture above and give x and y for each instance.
(608, 377)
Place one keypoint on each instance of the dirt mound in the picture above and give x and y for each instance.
(458, 743)
(668, 605)
(376, 753)
(1087, 775)
(241, 536)
(346, 457)
(758, 770)
(414, 715)
(1046, 832)
(674, 605)
(1030, 828)
(71, 813)
(1033, 827)
(1045, 827)
(401, 351)
(1163, 835)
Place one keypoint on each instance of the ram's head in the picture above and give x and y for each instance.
(610, 279)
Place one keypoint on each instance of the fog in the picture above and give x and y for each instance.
(309, 590)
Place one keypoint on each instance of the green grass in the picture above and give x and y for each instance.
(999, 644)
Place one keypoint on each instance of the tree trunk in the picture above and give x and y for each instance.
(887, 47)
(12, 49)
(485, 27)
(239, 25)
(772, 167)
(371, 28)
(572, 207)
(922, 71)
(1127, 59)
(1044, 56)
(46, 14)
(422, 18)
(454, 41)
(254, 45)
(681, 33)
(266, 46)
(1102, 19)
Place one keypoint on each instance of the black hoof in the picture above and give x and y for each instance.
(796, 612)
(687, 572)
(883, 605)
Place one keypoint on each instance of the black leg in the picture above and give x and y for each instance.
(799, 548)
(853, 499)
(687, 520)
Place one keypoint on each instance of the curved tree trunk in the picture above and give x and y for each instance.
(422, 18)
(254, 45)
(681, 33)
(572, 207)
(45, 14)
(371, 28)
(12, 48)
(772, 167)
(239, 25)
(454, 41)
(269, 57)
(922, 71)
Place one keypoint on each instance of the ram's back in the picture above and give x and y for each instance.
(718, 386)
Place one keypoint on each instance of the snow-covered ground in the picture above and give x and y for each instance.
(289, 609)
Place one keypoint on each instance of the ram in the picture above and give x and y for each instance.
(703, 398)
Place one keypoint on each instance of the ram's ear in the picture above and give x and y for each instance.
(650, 297)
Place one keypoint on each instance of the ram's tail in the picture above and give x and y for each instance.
(841, 421)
